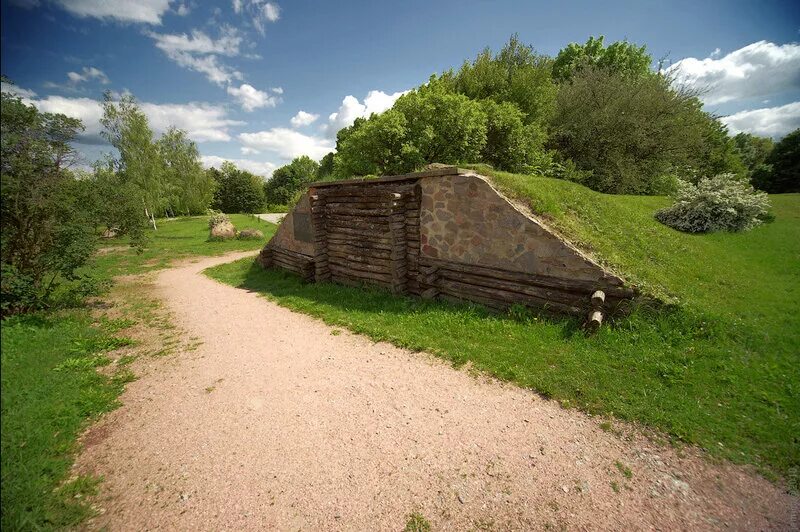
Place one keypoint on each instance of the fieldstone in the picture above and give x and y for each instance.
(223, 231)
(250, 234)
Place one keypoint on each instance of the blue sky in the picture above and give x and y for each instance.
(236, 74)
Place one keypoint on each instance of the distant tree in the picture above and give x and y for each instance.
(46, 228)
(290, 179)
(753, 150)
(325, 170)
(118, 206)
(126, 128)
(510, 144)
(621, 57)
(783, 167)
(628, 135)
(237, 190)
(374, 147)
(190, 188)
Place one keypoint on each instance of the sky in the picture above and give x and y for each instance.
(260, 82)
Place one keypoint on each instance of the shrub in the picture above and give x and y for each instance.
(217, 218)
(237, 191)
(720, 203)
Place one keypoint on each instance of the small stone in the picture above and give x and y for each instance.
(460, 498)
(565, 489)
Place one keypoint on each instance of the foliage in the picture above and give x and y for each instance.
(720, 203)
(730, 344)
(189, 188)
(140, 163)
(781, 172)
(236, 190)
(630, 135)
(753, 151)
(216, 218)
(325, 170)
(510, 144)
(118, 205)
(375, 146)
(621, 57)
(47, 226)
(287, 180)
(517, 74)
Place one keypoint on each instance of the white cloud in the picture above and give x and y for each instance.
(199, 43)
(203, 122)
(277, 90)
(287, 143)
(249, 151)
(351, 108)
(264, 169)
(19, 91)
(145, 11)
(258, 12)
(251, 98)
(183, 10)
(303, 119)
(773, 122)
(88, 73)
(758, 70)
(199, 52)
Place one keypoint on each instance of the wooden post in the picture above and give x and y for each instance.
(397, 238)
(596, 314)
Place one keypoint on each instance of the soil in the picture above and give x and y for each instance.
(277, 421)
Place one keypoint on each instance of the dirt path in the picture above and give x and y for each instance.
(275, 423)
(272, 217)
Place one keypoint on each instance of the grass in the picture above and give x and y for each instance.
(417, 523)
(718, 369)
(51, 388)
(176, 239)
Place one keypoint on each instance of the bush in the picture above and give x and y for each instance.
(781, 171)
(720, 203)
(237, 191)
(217, 218)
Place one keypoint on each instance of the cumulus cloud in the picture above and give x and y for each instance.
(277, 90)
(773, 122)
(18, 91)
(199, 52)
(264, 169)
(287, 143)
(351, 108)
(251, 98)
(758, 70)
(258, 12)
(87, 74)
(303, 119)
(203, 122)
(143, 11)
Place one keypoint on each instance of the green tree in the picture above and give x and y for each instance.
(753, 150)
(510, 144)
(375, 147)
(126, 128)
(190, 188)
(325, 170)
(290, 179)
(628, 135)
(783, 167)
(621, 57)
(47, 232)
(237, 190)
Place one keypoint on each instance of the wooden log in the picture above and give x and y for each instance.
(540, 293)
(469, 291)
(595, 320)
(598, 299)
(429, 293)
(336, 269)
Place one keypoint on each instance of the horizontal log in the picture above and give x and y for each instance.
(502, 296)
(349, 240)
(336, 269)
(366, 192)
(290, 253)
(360, 266)
(570, 285)
(357, 282)
(383, 262)
(541, 293)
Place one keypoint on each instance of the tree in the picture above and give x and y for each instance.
(290, 179)
(510, 144)
(517, 74)
(783, 172)
(237, 190)
(375, 147)
(621, 57)
(753, 150)
(190, 189)
(325, 170)
(46, 227)
(630, 134)
(126, 128)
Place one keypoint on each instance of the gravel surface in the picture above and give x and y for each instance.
(276, 423)
(272, 217)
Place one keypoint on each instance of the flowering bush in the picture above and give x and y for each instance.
(719, 203)
(216, 218)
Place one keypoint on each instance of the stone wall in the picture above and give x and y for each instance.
(443, 233)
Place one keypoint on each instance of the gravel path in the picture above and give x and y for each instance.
(276, 423)
(272, 217)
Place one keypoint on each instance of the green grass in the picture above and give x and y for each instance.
(50, 390)
(51, 387)
(176, 239)
(719, 369)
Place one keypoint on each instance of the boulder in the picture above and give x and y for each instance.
(223, 231)
(250, 234)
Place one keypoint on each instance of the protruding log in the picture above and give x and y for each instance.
(595, 320)
(598, 299)
(430, 293)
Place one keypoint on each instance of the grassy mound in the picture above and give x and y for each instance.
(719, 368)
